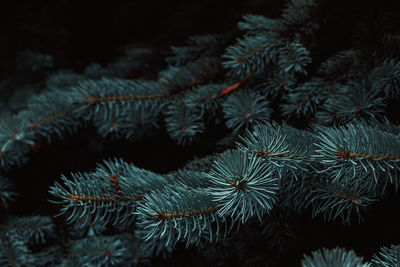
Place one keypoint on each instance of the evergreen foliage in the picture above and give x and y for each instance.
(241, 186)
(269, 169)
(332, 258)
(387, 256)
(6, 191)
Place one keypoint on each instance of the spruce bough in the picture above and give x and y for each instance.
(346, 158)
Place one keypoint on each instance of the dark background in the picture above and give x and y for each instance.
(77, 33)
(88, 31)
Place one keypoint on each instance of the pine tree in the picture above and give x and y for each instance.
(346, 158)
